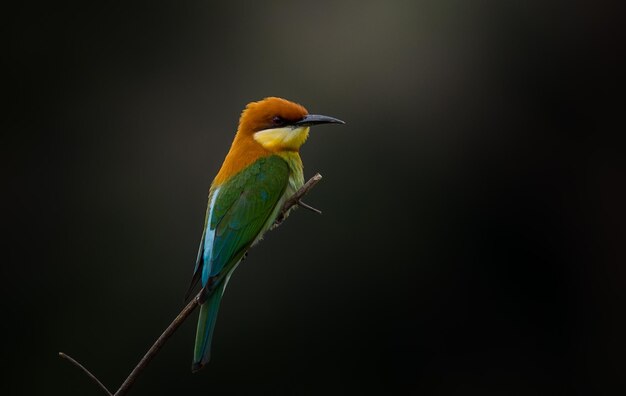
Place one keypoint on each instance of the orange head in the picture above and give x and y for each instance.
(271, 125)
(278, 124)
(269, 113)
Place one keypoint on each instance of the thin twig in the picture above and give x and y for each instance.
(296, 198)
(309, 207)
(80, 366)
(191, 306)
(202, 295)
(158, 344)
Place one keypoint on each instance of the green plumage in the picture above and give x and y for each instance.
(240, 211)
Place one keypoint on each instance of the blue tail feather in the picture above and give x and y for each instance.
(206, 326)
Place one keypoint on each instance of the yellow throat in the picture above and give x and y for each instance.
(285, 138)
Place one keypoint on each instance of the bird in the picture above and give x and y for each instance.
(261, 171)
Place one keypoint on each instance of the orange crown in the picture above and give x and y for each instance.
(267, 113)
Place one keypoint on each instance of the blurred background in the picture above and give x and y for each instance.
(472, 240)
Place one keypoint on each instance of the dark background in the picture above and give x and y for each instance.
(473, 232)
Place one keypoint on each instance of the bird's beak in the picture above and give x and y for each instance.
(315, 119)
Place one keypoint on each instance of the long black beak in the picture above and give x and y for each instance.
(315, 119)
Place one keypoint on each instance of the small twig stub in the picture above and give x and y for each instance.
(80, 366)
(296, 199)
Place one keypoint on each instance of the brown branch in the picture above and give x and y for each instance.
(158, 344)
(294, 200)
(80, 366)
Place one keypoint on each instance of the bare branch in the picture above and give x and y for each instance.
(80, 366)
(197, 300)
(158, 344)
(296, 198)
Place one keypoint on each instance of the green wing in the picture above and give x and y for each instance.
(243, 205)
(238, 212)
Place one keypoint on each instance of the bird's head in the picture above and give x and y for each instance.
(278, 124)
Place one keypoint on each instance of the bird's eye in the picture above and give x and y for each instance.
(277, 120)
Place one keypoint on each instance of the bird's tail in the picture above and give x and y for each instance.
(206, 325)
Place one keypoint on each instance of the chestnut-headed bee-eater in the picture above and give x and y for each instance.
(261, 171)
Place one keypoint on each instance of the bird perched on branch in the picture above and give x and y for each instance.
(261, 171)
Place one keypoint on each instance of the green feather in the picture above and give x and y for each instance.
(245, 207)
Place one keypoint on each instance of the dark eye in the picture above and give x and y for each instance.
(277, 120)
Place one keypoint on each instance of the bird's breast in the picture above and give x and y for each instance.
(295, 181)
